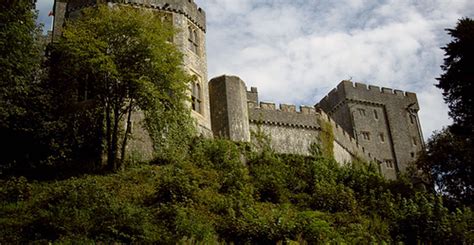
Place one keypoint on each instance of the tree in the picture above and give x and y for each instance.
(448, 159)
(112, 61)
(448, 155)
(20, 59)
(457, 82)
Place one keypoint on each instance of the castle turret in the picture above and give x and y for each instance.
(184, 15)
(229, 110)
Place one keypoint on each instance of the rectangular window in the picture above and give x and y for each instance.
(193, 39)
(412, 119)
(382, 137)
(412, 155)
(376, 115)
(414, 141)
(196, 97)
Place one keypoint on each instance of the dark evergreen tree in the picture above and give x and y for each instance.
(448, 157)
(457, 82)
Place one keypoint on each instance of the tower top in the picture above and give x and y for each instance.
(187, 8)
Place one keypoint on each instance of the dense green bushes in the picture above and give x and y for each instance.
(222, 192)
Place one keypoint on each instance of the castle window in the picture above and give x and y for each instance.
(376, 115)
(412, 119)
(412, 155)
(361, 111)
(196, 97)
(382, 137)
(193, 39)
(389, 163)
(414, 141)
(366, 135)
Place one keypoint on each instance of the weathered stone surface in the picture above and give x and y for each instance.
(229, 110)
(388, 117)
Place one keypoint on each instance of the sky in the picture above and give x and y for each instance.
(296, 51)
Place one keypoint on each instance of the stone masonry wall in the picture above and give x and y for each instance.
(290, 131)
(293, 131)
(384, 121)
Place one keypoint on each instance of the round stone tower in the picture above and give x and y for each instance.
(190, 20)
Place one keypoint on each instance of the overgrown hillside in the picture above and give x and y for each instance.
(223, 192)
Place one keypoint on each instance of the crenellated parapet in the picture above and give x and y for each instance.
(364, 94)
(187, 8)
(285, 115)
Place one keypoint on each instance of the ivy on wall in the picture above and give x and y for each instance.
(327, 139)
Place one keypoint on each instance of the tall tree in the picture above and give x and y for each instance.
(116, 60)
(448, 157)
(457, 82)
(20, 58)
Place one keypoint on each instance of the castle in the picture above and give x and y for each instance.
(366, 122)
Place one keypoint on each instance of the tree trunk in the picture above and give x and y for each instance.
(128, 132)
(108, 129)
(115, 132)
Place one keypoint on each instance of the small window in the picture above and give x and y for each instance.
(196, 97)
(361, 111)
(414, 141)
(389, 163)
(376, 115)
(366, 135)
(382, 137)
(412, 119)
(193, 39)
(412, 155)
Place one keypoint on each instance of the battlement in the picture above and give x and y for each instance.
(187, 8)
(363, 92)
(302, 109)
(285, 115)
(372, 88)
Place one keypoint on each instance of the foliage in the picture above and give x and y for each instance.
(114, 62)
(448, 156)
(448, 160)
(22, 104)
(222, 193)
(457, 81)
(327, 139)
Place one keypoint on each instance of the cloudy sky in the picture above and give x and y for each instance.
(296, 51)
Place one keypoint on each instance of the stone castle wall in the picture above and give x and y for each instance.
(237, 112)
(293, 131)
(384, 121)
(290, 131)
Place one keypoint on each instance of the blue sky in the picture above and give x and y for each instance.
(296, 51)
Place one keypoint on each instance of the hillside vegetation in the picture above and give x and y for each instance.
(224, 192)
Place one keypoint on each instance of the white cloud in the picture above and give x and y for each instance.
(296, 51)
